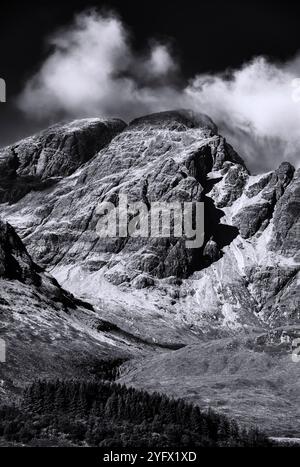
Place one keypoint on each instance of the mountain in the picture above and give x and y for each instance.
(47, 331)
(243, 280)
(38, 161)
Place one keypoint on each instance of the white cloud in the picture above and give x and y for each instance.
(160, 62)
(93, 70)
(256, 107)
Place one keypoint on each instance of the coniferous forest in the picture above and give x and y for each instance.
(107, 414)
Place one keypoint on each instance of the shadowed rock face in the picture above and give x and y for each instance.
(241, 274)
(253, 217)
(287, 220)
(15, 263)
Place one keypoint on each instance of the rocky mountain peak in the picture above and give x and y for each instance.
(36, 163)
(178, 120)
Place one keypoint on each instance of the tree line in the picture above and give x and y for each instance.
(107, 414)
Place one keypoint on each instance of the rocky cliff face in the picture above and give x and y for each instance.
(15, 262)
(39, 161)
(244, 275)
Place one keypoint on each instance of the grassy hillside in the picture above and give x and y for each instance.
(252, 379)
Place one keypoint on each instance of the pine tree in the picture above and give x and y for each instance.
(111, 406)
(59, 398)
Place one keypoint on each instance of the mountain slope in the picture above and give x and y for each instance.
(251, 379)
(46, 330)
(172, 156)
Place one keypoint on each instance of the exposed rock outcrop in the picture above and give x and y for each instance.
(36, 162)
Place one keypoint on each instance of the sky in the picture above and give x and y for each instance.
(236, 61)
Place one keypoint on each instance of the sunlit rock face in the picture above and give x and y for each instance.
(37, 162)
(243, 276)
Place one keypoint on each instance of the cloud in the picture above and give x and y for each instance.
(160, 62)
(258, 108)
(93, 70)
